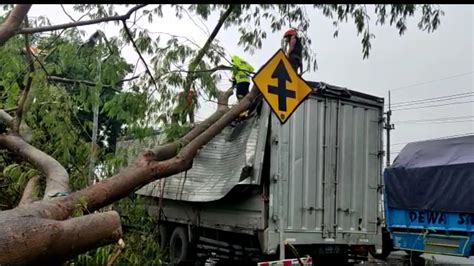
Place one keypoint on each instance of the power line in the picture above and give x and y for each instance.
(434, 80)
(429, 106)
(444, 137)
(434, 99)
(444, 122)
(436, 119)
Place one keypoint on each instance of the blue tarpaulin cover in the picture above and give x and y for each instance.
(435, 175)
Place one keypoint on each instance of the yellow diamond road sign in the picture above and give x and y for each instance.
(281, 86)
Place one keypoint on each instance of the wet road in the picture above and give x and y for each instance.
(401, 258)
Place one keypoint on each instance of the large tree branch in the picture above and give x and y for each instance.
(193, 65)
(169, 150)
(80, 23)
(144, 170)
(190, 150)
(57, 179)
(50, 242)
(13, 22)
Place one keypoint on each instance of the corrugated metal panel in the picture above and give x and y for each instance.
(217, 168)
(328, 161)
(359, 161)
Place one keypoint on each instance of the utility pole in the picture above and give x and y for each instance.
(95, 125)
(388, 126)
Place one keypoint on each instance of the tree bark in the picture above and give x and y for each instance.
(30, 194)
(13, 22)
(42, 241)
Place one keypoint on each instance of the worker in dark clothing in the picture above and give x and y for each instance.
(294, 49)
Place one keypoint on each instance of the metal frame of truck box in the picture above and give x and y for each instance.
(314, 182)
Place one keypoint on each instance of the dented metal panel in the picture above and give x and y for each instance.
(328, 161)
(219, 166)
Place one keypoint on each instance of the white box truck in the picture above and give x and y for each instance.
(314, 183)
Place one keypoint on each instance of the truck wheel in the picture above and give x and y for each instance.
(179, 245)
(164, 236)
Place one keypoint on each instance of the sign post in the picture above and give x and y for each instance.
(284, 90)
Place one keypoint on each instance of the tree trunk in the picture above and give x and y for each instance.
(42, 241)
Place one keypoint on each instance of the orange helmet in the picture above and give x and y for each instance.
(290, 32)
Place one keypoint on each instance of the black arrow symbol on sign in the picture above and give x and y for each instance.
(281, 74)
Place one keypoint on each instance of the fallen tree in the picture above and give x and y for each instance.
(45, 231)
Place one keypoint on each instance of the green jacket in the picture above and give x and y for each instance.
(240, 71)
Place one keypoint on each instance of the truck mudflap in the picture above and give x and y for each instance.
(287, 262)
(433, 243)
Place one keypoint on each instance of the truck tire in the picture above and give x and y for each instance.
(164, 234)
(179, 245)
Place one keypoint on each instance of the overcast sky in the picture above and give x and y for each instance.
(442, 61)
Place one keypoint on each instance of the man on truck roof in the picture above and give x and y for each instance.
(241, 71)
(293, 49)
